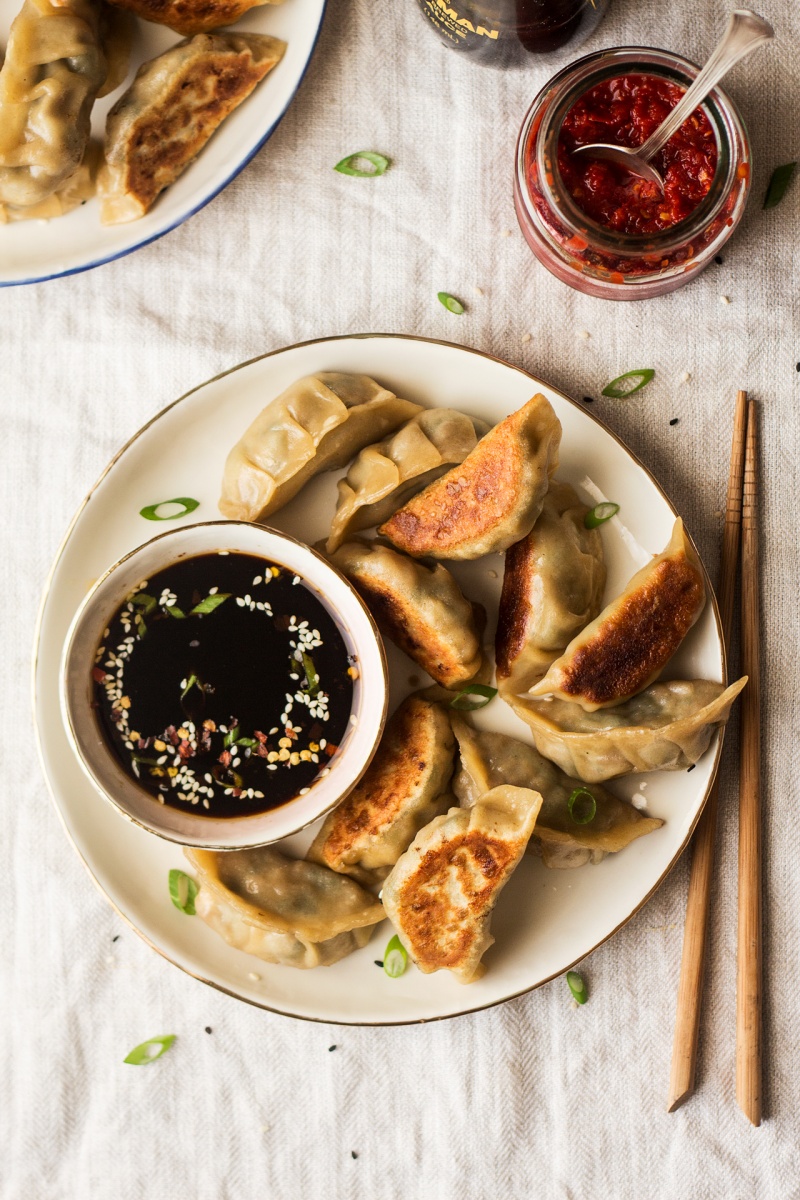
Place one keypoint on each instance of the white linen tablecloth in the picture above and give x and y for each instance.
(535, 1098)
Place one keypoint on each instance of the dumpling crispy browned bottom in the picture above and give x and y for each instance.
(171, 110)
(189, 16)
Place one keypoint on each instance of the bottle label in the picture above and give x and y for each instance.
(447, 20)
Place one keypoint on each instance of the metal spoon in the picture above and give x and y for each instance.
(745, 31)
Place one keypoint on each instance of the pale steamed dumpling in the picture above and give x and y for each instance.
(667, 727)
(489, 759)
(55, 65)
(316, 425)
(282, 910)
(552, 587)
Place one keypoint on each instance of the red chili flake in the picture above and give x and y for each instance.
(330, 750)
(185, 750)
(291, 734)
(259, 736)
(237, 792)
(262, 750)
(225, 758)
(171, 734)
(98, 674)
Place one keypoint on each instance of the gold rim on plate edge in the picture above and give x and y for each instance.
(46, 592)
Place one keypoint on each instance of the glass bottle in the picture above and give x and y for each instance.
(506, 33)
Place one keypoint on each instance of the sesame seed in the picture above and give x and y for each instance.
(584, 333)
(252, 975)
(526, 337)
(724, 299)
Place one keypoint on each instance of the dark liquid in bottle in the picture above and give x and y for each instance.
(505, 33)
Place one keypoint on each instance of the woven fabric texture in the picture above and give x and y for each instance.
(534, 1098)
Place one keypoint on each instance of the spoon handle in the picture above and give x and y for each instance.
(745, 31)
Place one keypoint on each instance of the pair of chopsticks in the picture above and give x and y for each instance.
(740, 526)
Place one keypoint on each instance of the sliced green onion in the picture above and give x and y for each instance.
(582, 806)
(347, 166)
(577, 987)
(618, 389)
(600, 513)
(230, 737)
(151, 513)
(190, 683)
(150, 1050)
(395, 960)
(312, 678)
(779, 181)
(451, 303)
(182, 891)
(148, 762)
(218, 769)
(209, 604)
(246, 742)
(176, 612)
(144, 602)
(462, 700)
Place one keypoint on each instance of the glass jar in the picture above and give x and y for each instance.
(600, 261)
(506, 33)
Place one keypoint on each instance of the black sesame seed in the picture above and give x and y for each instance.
(691, 768)
(353, 1154)
(798, 367)
(115, 937)
(718, 260)
(378, 963)
(588, 399)
(208, 1029)
(674, 421)
(331, 1048)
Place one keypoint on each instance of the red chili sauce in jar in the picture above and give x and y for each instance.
(624, 111)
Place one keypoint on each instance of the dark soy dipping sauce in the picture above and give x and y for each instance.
(213, 710)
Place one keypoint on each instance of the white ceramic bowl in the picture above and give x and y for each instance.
(186, 826)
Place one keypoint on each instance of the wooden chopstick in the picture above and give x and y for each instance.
(690, 987)
(748, 963)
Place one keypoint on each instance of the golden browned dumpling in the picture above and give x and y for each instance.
(403, 789)
(169, 112)
(441, 892)
(421, 609)
(627, 646)
(191, 16)
(492, 499)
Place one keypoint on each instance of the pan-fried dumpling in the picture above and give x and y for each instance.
(387, 474)
(441, 892)
(403, 789)
(492, 499)
(666, 728)
(174, 105)
(421, 609)
(191, 16)
(316, 425)
(552, 587)
(488, 760)
(55, 65)
(629, 644)
(298, 914)
(79, 188)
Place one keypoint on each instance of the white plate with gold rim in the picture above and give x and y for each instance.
(33, 251)
(545, 920)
